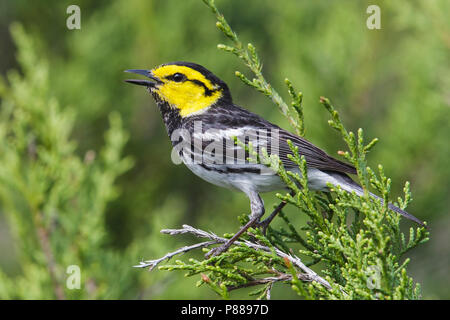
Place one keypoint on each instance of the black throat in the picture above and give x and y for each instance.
(171, 116)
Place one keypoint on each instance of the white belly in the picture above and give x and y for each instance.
(242, 181)
(263, 181)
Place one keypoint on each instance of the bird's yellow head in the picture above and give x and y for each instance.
(187, 87)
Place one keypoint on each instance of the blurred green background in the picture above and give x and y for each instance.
(392, 82)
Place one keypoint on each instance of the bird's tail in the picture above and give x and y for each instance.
(346, 183)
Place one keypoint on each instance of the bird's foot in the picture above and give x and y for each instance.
(214, 252)
(263, 225)
(219, 250)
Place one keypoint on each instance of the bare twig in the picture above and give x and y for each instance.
(153, 263)
(309, 275)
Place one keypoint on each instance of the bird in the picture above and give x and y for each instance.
(203, 124)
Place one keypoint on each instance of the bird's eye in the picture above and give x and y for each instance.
(178, 77)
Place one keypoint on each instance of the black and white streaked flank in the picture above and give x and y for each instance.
(198, 111)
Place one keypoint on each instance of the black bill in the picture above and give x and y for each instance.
(147, 83)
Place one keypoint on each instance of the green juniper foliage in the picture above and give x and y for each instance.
(54, 199)
(356, 242)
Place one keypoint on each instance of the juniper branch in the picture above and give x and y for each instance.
(251, 59)
(214, 239)
(271, 280)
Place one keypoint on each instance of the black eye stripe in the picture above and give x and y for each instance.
(208, 92)
(180, 77)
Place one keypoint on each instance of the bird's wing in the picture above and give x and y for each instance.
(314, 156)
(233, 121)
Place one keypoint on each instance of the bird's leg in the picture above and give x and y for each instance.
(227, 245)
(265, 223)
(257, 208)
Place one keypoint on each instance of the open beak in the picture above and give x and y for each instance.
(148, 74)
